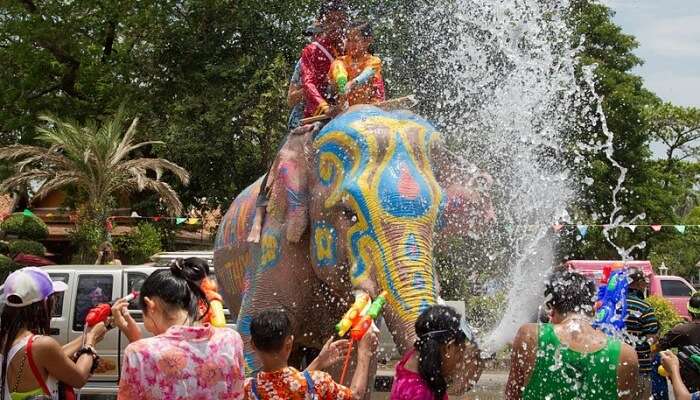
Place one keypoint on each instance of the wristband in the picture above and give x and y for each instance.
(91, 351)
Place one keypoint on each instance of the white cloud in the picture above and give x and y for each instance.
(680, 89)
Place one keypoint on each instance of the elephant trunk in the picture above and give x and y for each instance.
(410, 280)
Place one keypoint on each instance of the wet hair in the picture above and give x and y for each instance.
(694, 302)
(435, 327)
(330, 6)
(269, 329)
(35, 317)
(178, 287)
(569, 291)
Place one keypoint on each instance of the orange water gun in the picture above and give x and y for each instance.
(215, 316)
(359, 322)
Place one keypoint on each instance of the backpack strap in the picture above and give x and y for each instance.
(324, 50)
(35, 370)
(254, 387)
(310, 385)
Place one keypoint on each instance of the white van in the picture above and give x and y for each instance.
(90, 285)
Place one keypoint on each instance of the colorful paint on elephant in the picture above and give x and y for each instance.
(378, 165)
(324, 240)
(234, 225)
(270, 248)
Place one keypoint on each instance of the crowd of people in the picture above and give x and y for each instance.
(565, 358)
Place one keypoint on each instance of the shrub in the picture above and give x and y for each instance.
(25, 227)
(4, 248)
(27, 247)
(665, 312)
(139, 245)
(6, 266)
(86, 237)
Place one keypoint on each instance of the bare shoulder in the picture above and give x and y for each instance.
(46, 344)
(628, 356)
(527, 332)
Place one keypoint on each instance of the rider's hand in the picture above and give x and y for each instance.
(123, 320)
(368, 344)
(95, 334)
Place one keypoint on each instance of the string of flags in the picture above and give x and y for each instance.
(583, 229)
(134, 215)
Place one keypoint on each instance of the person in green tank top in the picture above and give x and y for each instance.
(567, 358)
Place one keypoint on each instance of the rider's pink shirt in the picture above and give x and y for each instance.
(409, 385)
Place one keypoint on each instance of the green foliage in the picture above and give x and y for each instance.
(27, 247)
(86, 238)
(666, 314)
(6, 267)
(139, 245)
(25, 227)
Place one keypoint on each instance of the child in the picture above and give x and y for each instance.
(358, 74)
(272, 341)
(316, 58)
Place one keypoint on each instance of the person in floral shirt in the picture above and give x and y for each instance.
(185, 359)
(272, 341)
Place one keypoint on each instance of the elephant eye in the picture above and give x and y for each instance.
(348, 213)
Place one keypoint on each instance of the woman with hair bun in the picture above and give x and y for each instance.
(185, 359)
(445, 346)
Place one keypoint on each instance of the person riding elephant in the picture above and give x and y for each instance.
(353, 207)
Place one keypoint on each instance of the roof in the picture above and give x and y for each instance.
(95, 268)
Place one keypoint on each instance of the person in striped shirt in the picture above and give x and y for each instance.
(641, 327)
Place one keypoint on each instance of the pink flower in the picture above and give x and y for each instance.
(209, 374)
(172, 362)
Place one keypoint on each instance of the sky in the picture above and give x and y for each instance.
(668, 32)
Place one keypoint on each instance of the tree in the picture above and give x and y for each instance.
(93, 159)
(676, 127)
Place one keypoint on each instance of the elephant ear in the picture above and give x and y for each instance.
(288, 184)
(467, 205)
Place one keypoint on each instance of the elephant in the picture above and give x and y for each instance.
(356, 205)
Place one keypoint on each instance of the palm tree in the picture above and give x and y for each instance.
(95, 160)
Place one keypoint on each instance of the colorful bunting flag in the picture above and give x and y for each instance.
(680, 228)
(157, 218)
(28, 213)
(583, 230)
(656, 228)
(180, 220)
(134, 214)
(632, 227)
(557, 227)
(192, 221)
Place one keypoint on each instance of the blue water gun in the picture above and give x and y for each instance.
(611, 307)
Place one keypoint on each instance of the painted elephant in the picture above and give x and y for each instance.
(354, 206)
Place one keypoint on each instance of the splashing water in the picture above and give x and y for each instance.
(498, 79)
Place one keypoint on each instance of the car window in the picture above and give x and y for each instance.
(92, 290)
(134, 281)
(673, 288)
(57, 311)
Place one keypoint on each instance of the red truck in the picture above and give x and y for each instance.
(674, 288)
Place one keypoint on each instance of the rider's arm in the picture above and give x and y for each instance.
(312, 95)
(378, 91)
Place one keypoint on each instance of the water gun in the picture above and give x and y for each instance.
(101, 312)
(215, 316)
(362, 301)
(689, 356)
(365, 77)
(611, 307)
(340, 76)
(358, 330)
(358, 320)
